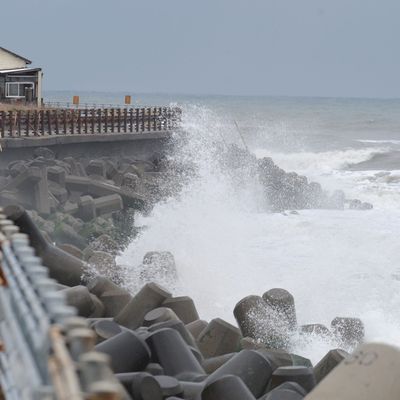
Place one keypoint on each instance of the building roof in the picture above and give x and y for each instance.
(16, 55)
(18, 70)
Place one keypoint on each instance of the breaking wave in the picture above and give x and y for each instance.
(335, 263)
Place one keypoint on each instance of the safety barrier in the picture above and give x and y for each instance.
(42, 341)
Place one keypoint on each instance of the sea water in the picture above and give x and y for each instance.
(335, 263)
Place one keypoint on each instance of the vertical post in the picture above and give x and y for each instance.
(72, 113)
(42, 121)
(93, 119)
(27, 122)
(56, 114)
(119, 120)
(137, 120)
(143, 112)
(19, 122)
(149, 119)
(86, 121)
(112, 120)
(99, 120)
(106, 120)
(79, 122)
(131, 120)
(2, 123)
(48, 112)
(64, 114)
(36, 123)
(125, 120)
(10, 118)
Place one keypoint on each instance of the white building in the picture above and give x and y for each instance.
(19, 83)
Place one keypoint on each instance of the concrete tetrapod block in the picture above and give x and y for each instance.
(304, 376)
(105, 329)
(150, 389)
(80, 298)
(218, 338)
(277, 358)
(149, 297)
(111, 295)
(196, 327)
(173, 354)
(179, 327)
(108, 204)
(212, 364)
(154, 369)
(128, 352)
(183, 307)
(370, 373)
(132, 382)
(56, 174)
(300, 361)
(159, 314)
(286, 391)
(349, 331)
(282, 302)
(330, 361)
(169, 386)
(316, 330)
(192, 390)
(249, 312)
(251, 367)
(86, 208)
(63, 267)
(227, 387)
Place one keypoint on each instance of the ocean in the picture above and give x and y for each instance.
(335, 263)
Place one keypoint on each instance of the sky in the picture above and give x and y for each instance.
(343, 48)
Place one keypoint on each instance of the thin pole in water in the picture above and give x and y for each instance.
(241, 136)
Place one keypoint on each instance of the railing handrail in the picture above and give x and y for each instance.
(37, 357)
(67, 121)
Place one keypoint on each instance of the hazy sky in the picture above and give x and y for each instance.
(261, 47)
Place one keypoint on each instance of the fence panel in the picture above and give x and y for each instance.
(64, 121)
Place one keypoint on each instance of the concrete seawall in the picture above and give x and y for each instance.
(139, 145)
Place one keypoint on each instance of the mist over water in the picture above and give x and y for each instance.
(335, 263)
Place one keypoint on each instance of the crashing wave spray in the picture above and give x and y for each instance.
(226, 247)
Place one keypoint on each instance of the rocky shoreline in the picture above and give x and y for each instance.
(81, 215)
(160, 348)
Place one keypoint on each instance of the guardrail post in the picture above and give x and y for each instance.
(79, 122)
(64, 114)
(86, 121)
(93, 115)
(27, 122)
(99, 121)
(49, 125)
(2, 123)
(106, 120)
(112, 120)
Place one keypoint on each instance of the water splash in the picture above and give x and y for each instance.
(334, 263)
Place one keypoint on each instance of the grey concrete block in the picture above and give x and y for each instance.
(183, 307)
(149, 297)
(112, 296)
(218, 338)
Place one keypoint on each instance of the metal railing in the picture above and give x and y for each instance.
(47, 122)
(41, 340)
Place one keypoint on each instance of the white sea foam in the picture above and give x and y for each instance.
(336, 263)
(321, 162)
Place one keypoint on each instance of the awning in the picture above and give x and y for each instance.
(18, 70)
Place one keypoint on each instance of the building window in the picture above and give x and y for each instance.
(19, 89)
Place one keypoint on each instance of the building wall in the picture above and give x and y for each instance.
(8, 61)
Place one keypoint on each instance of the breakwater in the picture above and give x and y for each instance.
(152, 345)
